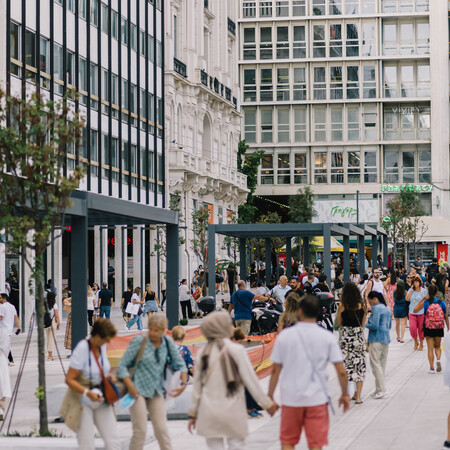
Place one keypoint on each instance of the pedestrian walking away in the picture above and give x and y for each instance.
(300, 356)
(379, 324)
(52, 309)
(5, 382)
(10, 318)
(218, 410)
(436, 316)
(126, 299)
(105, 299)
(151, 301)
(351, 318)
(146, 386)
(84, 404)
(400, 316)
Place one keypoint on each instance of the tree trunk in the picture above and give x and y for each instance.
(39, 302)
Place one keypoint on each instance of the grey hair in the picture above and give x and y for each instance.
(158, 320)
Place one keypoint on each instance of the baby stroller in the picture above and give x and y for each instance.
(207, 304)
(264, 321)
(327, 307)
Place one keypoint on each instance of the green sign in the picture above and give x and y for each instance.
(406, 187)
(343, 211)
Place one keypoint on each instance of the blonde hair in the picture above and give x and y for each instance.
(90, 292)
(149, 289)
(178, 333)
(158, 320)
(289, 316)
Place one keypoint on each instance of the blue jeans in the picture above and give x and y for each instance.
(105, 311)
(135, 319)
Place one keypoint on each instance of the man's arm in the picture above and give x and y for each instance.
(276, 369)
(16, 320)
(344, 400)
(368, 289)
(374, 320)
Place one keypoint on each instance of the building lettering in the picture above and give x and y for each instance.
(343, 212)
(406, 187)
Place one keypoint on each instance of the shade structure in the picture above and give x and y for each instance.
(335, 246)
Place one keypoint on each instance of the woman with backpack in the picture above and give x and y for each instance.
(400, 310)
(416, 317)
(435, 318)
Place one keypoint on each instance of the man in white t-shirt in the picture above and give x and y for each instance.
(279, 291)
(8, 315)
(301, 355)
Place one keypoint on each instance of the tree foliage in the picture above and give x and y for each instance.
(35, 188)
(301, 206)
(199, 243)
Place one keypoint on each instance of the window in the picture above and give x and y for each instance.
(44, 61)
(369, 82)
(82, 78)
(94, 151)
(14, 47)
(368, 43)
(390, 39)
(423, 81)
(151, 48)
(124, 30)
(265, 47)
(299, 124)
(266, 125)
(319, 41)
(282, 42)
(115, 25)
(159, 115)
(283, 125)
(266, 86)
(94, 13)
(30, 53)
(390, 81)
(391, 126)
(70, 68)
(424, 122)
(115, 94)
(320, 124)
(142, 104)
(337, 167)
(320, 167)
(423, 38)
(175, 37)
(133, 103)
(133, 37)
(105, 19)
(407, 164)
(299, 44)
(58, 67)
(407, 81)
(368, 6)
(408, 167)
(82, 9)
(298, 8)
(318, 7)
(319, 86)
(391, 174)
(370, 166)
(249, 9)
(352, 123)
(424, 164)
(370, 122)
(406, 39)
(284, 169)
(336, 123)
(283, 84)
(265, 8)
(249, 85)
(267, 169)
(299, 83)
(335, 7)
(352, 42)
(352, 82)
(335, 83)
(354, 166)
(94, 84)
(300, 169)
(143, 42)
(335, 41)
(282, 8)
(250, 125)
(158, 53)
(351, 7)
(249, 44)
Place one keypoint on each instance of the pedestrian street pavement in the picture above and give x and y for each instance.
(413, 416)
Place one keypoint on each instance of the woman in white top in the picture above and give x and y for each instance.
(185, 299)
(50, 331)
(5, 382)
(96, 291)
(90, 305)
(355, 277)
(84, 378)
(136, 299)
(363, 284)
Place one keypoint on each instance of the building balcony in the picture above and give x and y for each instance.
(179, 67)
(216, 86)
(206, 4)
(231, 27)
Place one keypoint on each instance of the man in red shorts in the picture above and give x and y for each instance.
(301, 354)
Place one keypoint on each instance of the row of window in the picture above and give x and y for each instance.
(335, 123)
(334, 81)
(299, 8)
(126, 105)
(341, 165)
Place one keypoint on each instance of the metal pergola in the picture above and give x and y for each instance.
(88, 210)
(301, 230)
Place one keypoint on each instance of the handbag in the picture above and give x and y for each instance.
(196, 295)
(47, 318)
(121, 387)
(109, 389)
(172, 377)
(133, 308)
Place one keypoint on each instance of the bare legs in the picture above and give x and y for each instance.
(400, 326)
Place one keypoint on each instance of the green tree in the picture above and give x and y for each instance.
(199, 243)
(35, 190)
(301, 206)
(248, 164)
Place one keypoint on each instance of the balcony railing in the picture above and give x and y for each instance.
(179, 67)
(231, 27)
(204, 78)
(215, 85)
(206, 4)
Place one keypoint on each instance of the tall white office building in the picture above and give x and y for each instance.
(347, 96)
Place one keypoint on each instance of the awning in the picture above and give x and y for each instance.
(438, 229)
(335, 245)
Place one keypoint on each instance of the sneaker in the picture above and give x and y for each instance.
(378, 395)
(254, 415)
(438, 366)
(446, 445)
(1, 414)
(11, 364)
(431, 372)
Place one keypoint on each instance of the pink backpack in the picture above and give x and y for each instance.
(434, 318)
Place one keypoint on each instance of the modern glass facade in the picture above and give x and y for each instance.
(111, 54)
(337, 93)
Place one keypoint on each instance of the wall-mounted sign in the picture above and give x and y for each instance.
(408, 110)
(406, 187)
(345, 211)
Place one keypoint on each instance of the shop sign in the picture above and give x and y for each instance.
(406, 188)
(345, 211)
(442, 252)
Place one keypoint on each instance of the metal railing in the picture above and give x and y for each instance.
(179, 67)
(231, 27)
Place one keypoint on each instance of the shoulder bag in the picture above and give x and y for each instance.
(172, 377)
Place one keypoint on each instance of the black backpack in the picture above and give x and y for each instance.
(433, 270)
(47, 319)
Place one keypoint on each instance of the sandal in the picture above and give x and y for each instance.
(358, 403)
(51, 358)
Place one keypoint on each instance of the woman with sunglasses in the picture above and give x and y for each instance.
(416, 317)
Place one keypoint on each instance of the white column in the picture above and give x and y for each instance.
(2, 262)
(27, 288)
(120, 261)
(137, 253)
(56, 277)
(153, 261)
(100, 245)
